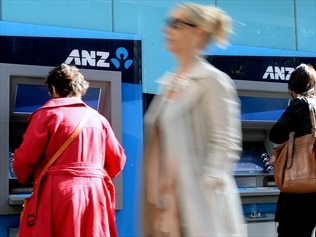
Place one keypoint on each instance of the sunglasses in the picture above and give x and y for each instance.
(175, 23)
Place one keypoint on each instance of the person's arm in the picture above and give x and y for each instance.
(114, 153)
(224, 126)
(32, 148)
(279, 133)
(289, 120)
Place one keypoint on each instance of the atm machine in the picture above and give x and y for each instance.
(262, 88)
(111, 62)
(26, 91)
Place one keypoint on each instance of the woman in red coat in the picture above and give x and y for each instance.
(75, 197)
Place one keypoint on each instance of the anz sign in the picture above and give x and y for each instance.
(100, 59)
(259, 68)
(278, 73)
(85, 57)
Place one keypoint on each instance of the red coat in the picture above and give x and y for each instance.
(76, 196)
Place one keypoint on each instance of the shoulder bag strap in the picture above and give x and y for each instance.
(312, 115)
(291, 134)
(63, 147)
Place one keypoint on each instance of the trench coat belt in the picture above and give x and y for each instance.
(78, 170)
(73, 169)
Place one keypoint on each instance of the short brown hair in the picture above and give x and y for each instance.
(67, 80)
(302, 79)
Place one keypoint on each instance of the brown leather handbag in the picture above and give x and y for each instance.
(295, 162)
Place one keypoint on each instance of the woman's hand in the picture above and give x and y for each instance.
(272, 160)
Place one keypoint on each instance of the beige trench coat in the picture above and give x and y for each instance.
(202, 138)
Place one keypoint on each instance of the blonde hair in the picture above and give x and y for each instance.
(216, 22)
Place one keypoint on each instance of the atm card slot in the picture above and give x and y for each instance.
(15, 187)
(17, 199)
(21, 190)
(259, 217)
(259, 191)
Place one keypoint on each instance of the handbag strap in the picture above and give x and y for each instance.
(291, 135)
(312, 115)
(63, 147)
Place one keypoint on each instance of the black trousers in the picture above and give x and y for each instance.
(296, 215)
(294, 230)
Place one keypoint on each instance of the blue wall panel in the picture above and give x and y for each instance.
(269, 24)
(306, 25)
(127, 219)
(83, 14)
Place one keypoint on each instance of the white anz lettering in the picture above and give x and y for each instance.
(87, 57)
(278, 73)
(74, 55)
(288, 71)
(269, 72)
(104, 56)
(92, 58)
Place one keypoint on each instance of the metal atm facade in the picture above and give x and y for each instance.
(111, 65)
(262, 88)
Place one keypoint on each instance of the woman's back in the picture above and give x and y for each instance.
(292, 211)
(295, 118)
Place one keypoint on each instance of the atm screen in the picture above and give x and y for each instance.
(262, 109)
(92, 97)
(29, 97)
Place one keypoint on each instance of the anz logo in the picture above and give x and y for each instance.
(99, 58)
(92, 58)
(278, 73)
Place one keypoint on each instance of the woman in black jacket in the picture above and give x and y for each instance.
(295, 212)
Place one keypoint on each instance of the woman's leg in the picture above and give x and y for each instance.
(295, 229)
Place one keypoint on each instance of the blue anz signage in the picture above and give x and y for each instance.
(100, 54)
(259, 68)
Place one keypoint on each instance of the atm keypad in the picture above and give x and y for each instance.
(11, 170)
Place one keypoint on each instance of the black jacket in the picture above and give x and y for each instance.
(296, 117)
